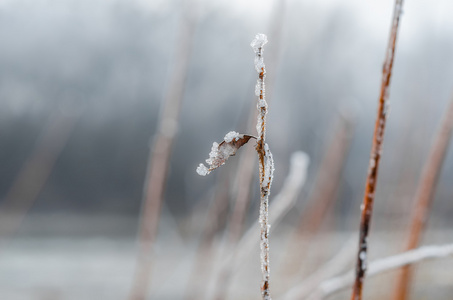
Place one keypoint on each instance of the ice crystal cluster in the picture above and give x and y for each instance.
(257, 45)
(231, 136)
(221, 152)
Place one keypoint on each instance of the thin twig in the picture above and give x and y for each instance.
(246, 168)
(383, 265)
(247, 161)
(425, 196)
(281, 205)
(266, 163)
(370, 187)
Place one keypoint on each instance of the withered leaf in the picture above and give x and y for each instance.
(221, 152)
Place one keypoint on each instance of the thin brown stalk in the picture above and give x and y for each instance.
(36, 170)
(425, 196)
(228, 147)
(375, 156)
(246, 168)
(159, 158)
(247, 162)
(324, 194)
(266, 166)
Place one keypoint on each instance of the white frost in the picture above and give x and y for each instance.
(230, 136)
(202, 170)
(268, 167)
(259, 62)
(221, 152)
(213, 154)
(362, 255)
(259, 41)
(258, 88)
(257, 45)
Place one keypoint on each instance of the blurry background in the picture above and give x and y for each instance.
(82, 85)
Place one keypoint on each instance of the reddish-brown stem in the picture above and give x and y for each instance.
(264, 192)
(375, 156)
(159, 158)
(425, 196)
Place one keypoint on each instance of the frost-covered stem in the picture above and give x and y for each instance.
(383, 265)
(370, 187)
(265, 163)
(425, 195)
(281, 205)
(245, 172)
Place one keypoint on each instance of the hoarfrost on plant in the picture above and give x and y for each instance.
(221, 152)
(231, 136)
(259, 41)
(202, 170)
(268, 167)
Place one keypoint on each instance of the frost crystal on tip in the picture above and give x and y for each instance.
(259, 41)
(257, 45)
(230, 136)
(202, 170)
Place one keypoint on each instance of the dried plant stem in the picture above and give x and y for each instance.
(247, 161)
(425, 196)
(370, 187)
(383, 265)
(281, 205)
(265, 162)
(159, 158)
(228, 147)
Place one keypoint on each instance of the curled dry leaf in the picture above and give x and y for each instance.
(221, 152)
